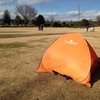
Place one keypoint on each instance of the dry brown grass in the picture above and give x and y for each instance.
(20, 52)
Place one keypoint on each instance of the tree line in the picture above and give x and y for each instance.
(26, 16)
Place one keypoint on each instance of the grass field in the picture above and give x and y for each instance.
(21, 50)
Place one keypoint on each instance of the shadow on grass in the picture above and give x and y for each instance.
(26, 35)
(96, 74)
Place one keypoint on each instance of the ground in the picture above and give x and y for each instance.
(21, 50)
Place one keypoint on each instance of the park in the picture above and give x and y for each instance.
(21, 50)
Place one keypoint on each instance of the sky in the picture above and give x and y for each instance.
(63, 10)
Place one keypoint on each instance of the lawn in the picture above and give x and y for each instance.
(21, 50)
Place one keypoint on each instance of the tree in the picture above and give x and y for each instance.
(71, 23)
(64, 24)
(98, 19)
(27, 12)
(40, 20)
(51, 18)
(17, 20)
(47, 23)
(6, 17)
(84, 22)
(26, 21)
(55, 24)
(59, 23)
(91, 22)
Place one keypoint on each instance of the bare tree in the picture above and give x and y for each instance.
(51, 18)
(26, 11)
(98, 19)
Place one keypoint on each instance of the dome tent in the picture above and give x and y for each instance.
(70, 55)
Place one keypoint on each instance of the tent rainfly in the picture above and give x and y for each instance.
(70, 55)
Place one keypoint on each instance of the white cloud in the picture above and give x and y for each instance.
(10, 8)
(90, 14)
(5, 1)
(72, 15)
(33, 1)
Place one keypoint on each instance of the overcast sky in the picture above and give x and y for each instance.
(63, 10)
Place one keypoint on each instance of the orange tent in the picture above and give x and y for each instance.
(70, 55)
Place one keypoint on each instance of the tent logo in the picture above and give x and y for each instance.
(71, 42)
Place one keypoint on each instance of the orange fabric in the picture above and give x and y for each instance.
(69, 55)
(41, 68)
(94, 58)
